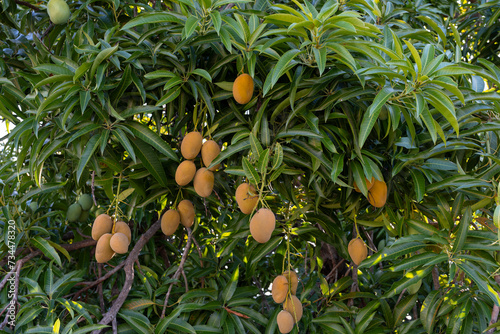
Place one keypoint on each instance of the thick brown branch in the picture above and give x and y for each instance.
(129, 275)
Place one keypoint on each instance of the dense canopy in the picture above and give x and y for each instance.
(350, 146)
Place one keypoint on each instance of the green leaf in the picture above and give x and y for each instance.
(150, 160)
(122, 138)
(415, 55)
(141, 131)
(89, 328)
(149, 18)
(480, 277)
(189, 26)
(104, 54)
(89, 150)
(320, 55)
(403, 308)
(463, 227)
(250, 172)
(231, 150)
(178, 325)
(203, 73)
(401, 247)
(443, 104)
(434, 26)
(282, 65)
(230, 287)
(47, 250)
(418, 184)
(53, 69)
(429, 310)
(372, 114)
(139, 322)
(80, 71)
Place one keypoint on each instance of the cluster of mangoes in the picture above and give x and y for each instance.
(263, 221)
(203, 178)
(79, 211)
(284, 291)
(183, 215)
(112, 237)
(377, 192)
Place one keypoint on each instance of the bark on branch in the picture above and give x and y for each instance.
(129, 275)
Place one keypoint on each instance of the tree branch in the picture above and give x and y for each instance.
(27, 4)
(129, 275)
(178, 271)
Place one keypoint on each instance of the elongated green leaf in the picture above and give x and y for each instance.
(480, 277)
(429, 310)
(402, 309)
(230, 288)
(443, 104)
(388, 253)
(463, 227)
(149, 18)
(141, 131)
(181, 326)
(89, 328)
(104, 54)
(47, 250)
(281, 65)
(250, 172)
(372, 114)
(122, 138)
(231, 150)
(136, 320)
(150, 160)
(89, 150)
(418, 184)
(54, 69)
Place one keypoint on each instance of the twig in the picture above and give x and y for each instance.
(333, 269)
(265, 304)
(46, 32)
(236, 313)
(129, 275)
(201, 257)
(27, 4)
(400, 296)
(435, 278)
(494, 311)
(185, 280)
(178, 271)
(99, 280)
(99, 288)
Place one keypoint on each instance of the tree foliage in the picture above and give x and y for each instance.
(405, 92)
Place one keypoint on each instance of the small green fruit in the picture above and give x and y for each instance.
(74, 212)
(84, 216)
(58, 11)
(85, 201)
